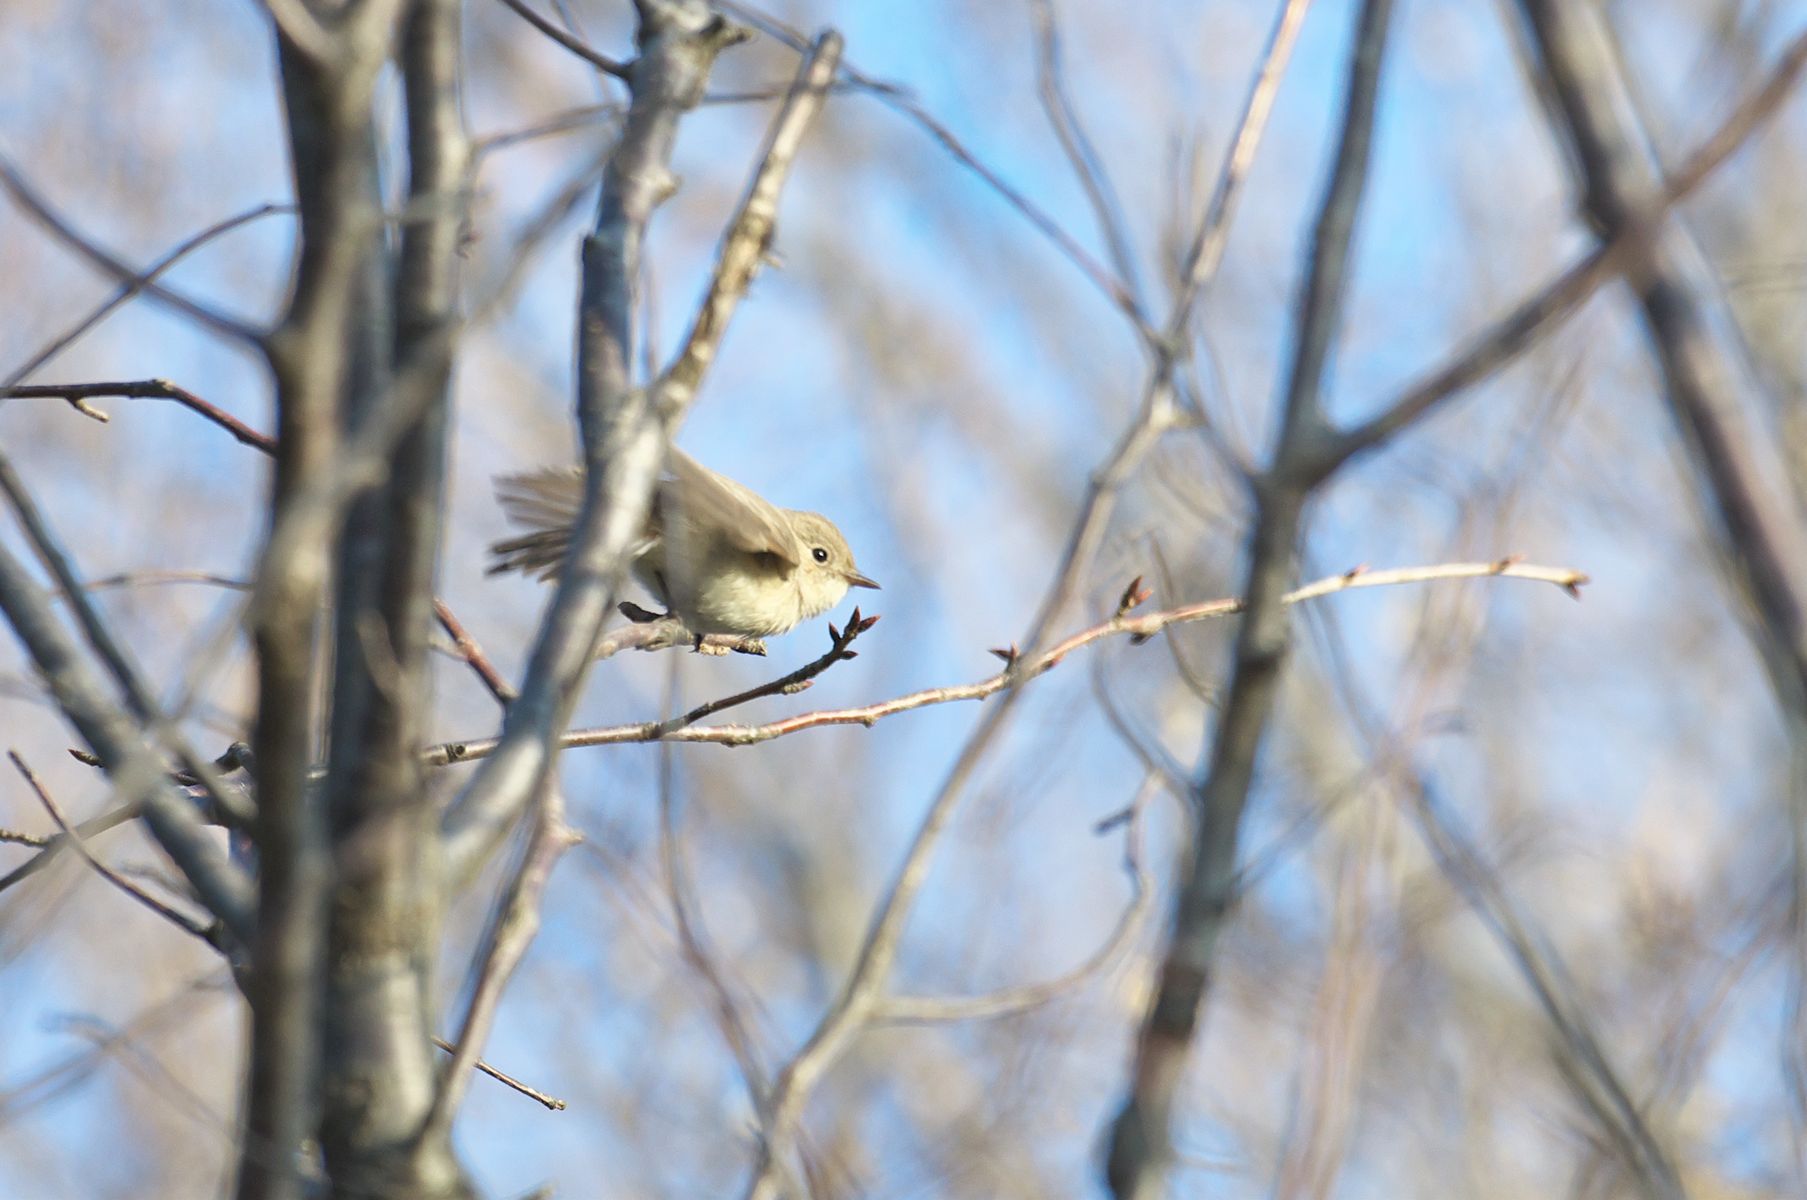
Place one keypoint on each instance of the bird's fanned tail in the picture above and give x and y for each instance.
(546, 503)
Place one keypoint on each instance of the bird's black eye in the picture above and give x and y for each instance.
(821, 555)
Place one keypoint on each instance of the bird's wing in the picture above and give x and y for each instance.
(707, 501)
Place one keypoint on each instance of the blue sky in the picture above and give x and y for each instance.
(926, 370)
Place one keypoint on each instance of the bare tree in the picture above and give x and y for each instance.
(1360, 855)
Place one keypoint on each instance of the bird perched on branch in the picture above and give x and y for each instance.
(719, 556)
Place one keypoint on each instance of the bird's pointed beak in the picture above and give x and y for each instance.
(855, 579)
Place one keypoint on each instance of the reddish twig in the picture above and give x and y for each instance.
(1022, 670)
(472, 653)
(78, 394)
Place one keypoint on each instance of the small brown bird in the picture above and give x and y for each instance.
(718, 555)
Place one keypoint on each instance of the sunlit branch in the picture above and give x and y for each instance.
(1022, 671)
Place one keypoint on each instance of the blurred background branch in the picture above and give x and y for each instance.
(1484, 894)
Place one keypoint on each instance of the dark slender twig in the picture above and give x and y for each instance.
(532, 1093)
(27, 198)
(567, 121)
(505, 943)
(175, 916)
(54, 846)
(1082, 155)
(736, 1030)
(472, 653)
(163, 389)
(898, 99)
(784, 685)
(1005, 1002)
(575, 45)
(131, 288)
(1623, 245)
(1141, 1146)
(78, 394)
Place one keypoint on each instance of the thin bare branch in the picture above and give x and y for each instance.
(156, 578)
(78, 394)
(68, 1072)
(1623, 247)
(502, 1077)
(1141, 1146)
(1150, 753)
(511, 931)
(1082, 156)
(897, 98)
(1024, 668)
(575, 45)
(737, 1032)
(473, 654)
(1582, 1055)
(111, 819)
(163, 389)
(26, 197)
(749, 236)
(1006, 1002)
(1206, 251)
(567, 121)
(173, 915)
(130, 289)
